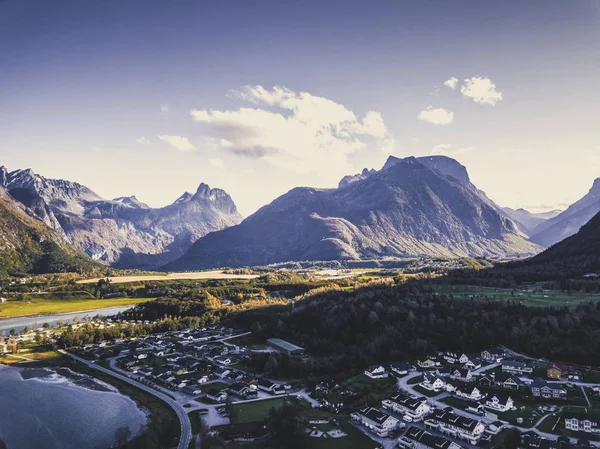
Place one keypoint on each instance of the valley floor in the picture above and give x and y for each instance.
(171, 277)
(40, 306)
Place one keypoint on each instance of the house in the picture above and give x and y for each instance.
(380, 423)
(463, 374)
(582, 423)
(269, 386)
(474, 363)
(465, 391)
(3, 300)
(455, 357)
(416, 438)
(562, 372)
(404, 404)
(432, 382)
(448, 422)
(516, 367)
(428, 363)
(500, 402)
(242, 391)
(492, 355)
(376, 372)
(541, 389)
(496, 427)
(507, 381)
(216, 395)
(190, 389)
(401, 368)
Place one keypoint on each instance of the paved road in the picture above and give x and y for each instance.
(186, 426)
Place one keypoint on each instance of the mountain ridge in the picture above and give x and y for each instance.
(409, 207)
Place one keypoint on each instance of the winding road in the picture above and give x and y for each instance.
(186, 426)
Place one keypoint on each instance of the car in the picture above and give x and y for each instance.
(407, 418)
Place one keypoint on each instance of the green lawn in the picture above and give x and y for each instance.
(457, 403)
(39, 306)
(256, 410)
(529, 295)
(361, 381)
(355, 439)
(415, 380)
(419, 389)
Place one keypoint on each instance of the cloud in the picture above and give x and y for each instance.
(451, 83)
(216, 162)
(438, 116)
(297, 131)
(165, 108)
(179, 143)
(142, 141)
(481, 90)
(447, 149)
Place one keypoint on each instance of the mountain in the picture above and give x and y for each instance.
(570, 221)
(28, 246)
(411, 207)
(529, 221)
(123, 232)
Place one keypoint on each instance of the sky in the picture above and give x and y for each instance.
(152, 97)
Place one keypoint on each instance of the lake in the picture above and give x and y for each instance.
(18, 324)
(53, 412)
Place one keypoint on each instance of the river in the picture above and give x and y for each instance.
(18, 324)
(55, 411)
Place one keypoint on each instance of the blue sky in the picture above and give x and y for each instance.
(149, 98)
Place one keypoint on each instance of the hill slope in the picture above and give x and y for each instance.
(571, 220)
(28, 246)
(123, 232)
(424, 206)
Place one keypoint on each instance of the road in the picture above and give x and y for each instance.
(186, 426)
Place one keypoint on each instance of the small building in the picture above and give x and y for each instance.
(380, 423)
(463, 374)
(285, 346)
(404, 404)
(455, 357)
(582, 423)
(3, 300)
(401, 368)
(376, 372)
(516, 367)
(500, 402)
(464, 390)
(541, 389)
(416, 438)
(563, 372)
(432, 382)
(492, 355)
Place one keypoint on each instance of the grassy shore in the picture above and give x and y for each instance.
(39, 306)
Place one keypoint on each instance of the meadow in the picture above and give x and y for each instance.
(31, 306)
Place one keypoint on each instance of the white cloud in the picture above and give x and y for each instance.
(179, 143)
(447, 149)
(451, 83)
(216, 162)
(481, 90)
(165, 108)
(142, 141)
(438, 116)
(296, 131)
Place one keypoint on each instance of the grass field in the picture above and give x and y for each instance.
(40, 306)
(171, 277)
(257, 410)
(26, 355)
(531, 295)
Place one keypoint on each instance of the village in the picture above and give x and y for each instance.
(448, 400)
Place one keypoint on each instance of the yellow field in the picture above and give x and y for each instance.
(171, 277)
(38, 306)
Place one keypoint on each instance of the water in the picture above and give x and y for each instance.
(18, 324)
(54, 413)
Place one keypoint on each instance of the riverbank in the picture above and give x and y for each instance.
(38, 307)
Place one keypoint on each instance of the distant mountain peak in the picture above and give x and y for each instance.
(183, 198)
(131, 201)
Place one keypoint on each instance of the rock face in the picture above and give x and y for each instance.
(123, 232)
(412, 206)
(571, 220)
(28, 246)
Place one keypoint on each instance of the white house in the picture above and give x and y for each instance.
(455, 357)
(432, 382)
(582, 423)
(404, 404)
(380, 423)
(465, 391)
(463, 374)
(446, 421)
(500, 403)
(376, 372)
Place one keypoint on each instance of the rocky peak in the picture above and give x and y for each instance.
(131, 201)
(3, 176)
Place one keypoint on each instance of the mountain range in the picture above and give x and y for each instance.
(570, 221)
(28, 246)
(411, 207)
(123, 232)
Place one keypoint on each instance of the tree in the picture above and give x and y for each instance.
(287, 427)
